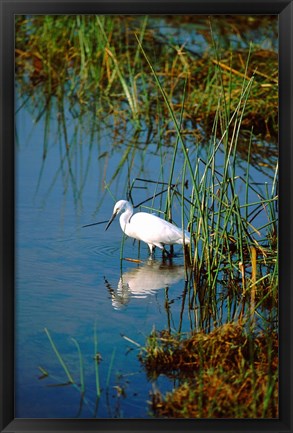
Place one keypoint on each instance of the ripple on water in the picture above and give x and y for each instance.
(104, 250)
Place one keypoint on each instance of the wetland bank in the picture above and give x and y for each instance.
(178, 115)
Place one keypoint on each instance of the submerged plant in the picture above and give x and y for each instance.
(79, 385)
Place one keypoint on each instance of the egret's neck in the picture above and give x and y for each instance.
(125, 218)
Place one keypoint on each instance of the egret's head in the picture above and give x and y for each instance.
(119, 207)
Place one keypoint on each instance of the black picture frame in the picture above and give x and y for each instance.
(284, 9)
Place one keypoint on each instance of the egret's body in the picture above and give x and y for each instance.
(148, 228)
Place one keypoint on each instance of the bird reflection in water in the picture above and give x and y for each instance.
(144, 280)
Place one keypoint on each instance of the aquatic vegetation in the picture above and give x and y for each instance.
(102, 385)
(227, 373)
(95, 62)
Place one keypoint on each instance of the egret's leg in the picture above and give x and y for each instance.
(152, 250)
(166, 253)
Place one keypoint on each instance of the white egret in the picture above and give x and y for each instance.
(148, 228)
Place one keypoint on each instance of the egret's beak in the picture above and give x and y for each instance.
(111, 220)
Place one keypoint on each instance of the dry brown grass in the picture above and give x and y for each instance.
(53, 58)
(225, 374)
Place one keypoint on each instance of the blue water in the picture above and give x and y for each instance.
(67, 280)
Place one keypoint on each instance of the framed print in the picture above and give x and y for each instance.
(146, 206)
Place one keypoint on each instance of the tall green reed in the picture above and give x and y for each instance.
(220, 231)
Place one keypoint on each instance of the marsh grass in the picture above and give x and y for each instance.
(227, 250)
(231, 273)
(95, 62)
(226, 243)
(59, 357)
(228, 373)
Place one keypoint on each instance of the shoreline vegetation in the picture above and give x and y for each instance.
(222, 95)
(63, 56)
(228, 373)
